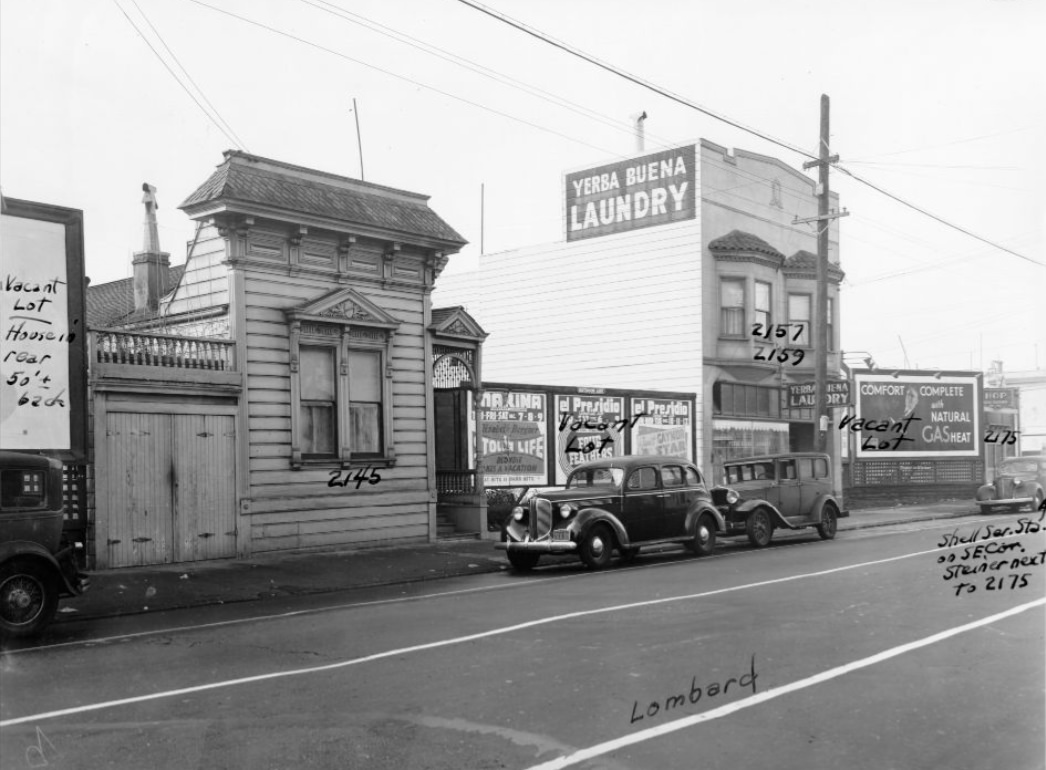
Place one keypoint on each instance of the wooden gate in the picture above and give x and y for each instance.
(171, 493)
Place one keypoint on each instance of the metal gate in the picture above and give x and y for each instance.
(171, 488)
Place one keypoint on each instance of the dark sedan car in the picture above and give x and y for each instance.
(621, 504)
(1019, 481)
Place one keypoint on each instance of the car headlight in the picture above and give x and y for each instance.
(565, 510)
(732, 497)
(517, 513)
(1017, 482)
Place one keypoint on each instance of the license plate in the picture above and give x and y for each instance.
(560, 534)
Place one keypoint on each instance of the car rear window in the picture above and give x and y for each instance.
(672, 476)
(693, 478)
(22, 489)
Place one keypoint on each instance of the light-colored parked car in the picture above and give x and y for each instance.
(781, 491)
(1019, 481)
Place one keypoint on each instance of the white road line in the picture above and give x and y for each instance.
(438, 595)
(447, 642)
(776, 692)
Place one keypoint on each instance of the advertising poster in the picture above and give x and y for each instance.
(514, 439)
(41, 369)
(915, 416)
(662, 426)
(588, 427)
(641, 192)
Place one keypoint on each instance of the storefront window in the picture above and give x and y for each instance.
(744, 438)
(746, 400)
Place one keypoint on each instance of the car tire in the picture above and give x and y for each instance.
(596, 547)
(28, 598)
(1037, 501)
(759, 529)
(704, 535)
(829, 522)
(523, 561)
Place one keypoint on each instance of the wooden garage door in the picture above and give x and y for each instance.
(171, 489)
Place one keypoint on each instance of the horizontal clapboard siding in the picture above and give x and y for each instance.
(294, 509)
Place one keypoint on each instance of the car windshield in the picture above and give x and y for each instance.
(1018, 465)
(595, 477)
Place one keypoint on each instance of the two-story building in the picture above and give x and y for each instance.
(668, 262)
(276, 391)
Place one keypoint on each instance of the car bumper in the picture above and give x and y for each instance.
(1010, 501)
(538, 546)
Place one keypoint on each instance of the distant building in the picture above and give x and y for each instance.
(668, 262)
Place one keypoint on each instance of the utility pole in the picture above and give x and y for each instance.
(823, 220)
(359, 139)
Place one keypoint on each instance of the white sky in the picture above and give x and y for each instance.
(940, 102)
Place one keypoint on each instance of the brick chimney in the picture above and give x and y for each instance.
(150, 264)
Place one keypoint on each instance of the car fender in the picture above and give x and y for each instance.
(694, 514)
(823, 500)
(779, 521)
(588, 517)
(986, 492)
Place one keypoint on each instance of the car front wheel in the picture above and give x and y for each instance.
(28, 598)
(759, 528)
(829, 522)
(596, 547)
(524, 561)
(704, 536)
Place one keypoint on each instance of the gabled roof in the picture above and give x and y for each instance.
(110, 304)
(244, 181)
(456, 322)
(345, 306)
(740, 241)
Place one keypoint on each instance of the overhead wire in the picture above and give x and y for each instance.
(192, 96)
(504, 18)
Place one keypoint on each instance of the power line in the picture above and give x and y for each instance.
(175, 76)
(156, 32)
(628, 76)
(945, 222)
(686, 102)
(396, 75)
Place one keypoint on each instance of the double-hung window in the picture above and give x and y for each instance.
(799, 313)
(365, 402)
(732, 307)
(762, 304)
(318, 409)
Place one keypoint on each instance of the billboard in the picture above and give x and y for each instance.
(915, 415)
(664, 427)
(641, 192)
(43, 365)
(513, 438)
(588, 427)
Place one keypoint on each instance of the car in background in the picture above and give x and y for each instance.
(791, 491)
(37, 565)
(614, 504)
(1019, 481)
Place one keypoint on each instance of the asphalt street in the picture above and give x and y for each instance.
(898, 647)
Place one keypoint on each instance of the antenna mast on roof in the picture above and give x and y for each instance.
(359, 139)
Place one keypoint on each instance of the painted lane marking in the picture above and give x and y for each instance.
(449, 642)
(868, 532)
(776, 692)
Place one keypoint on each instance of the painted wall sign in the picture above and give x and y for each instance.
(43, 362)
(514, 439)
(664, 428)
(588, 428)
(804, 394)
(937, 416)
(651, 190)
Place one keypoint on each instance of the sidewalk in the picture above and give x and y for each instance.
(150, 589)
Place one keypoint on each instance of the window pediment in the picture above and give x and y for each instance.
(346, 307)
